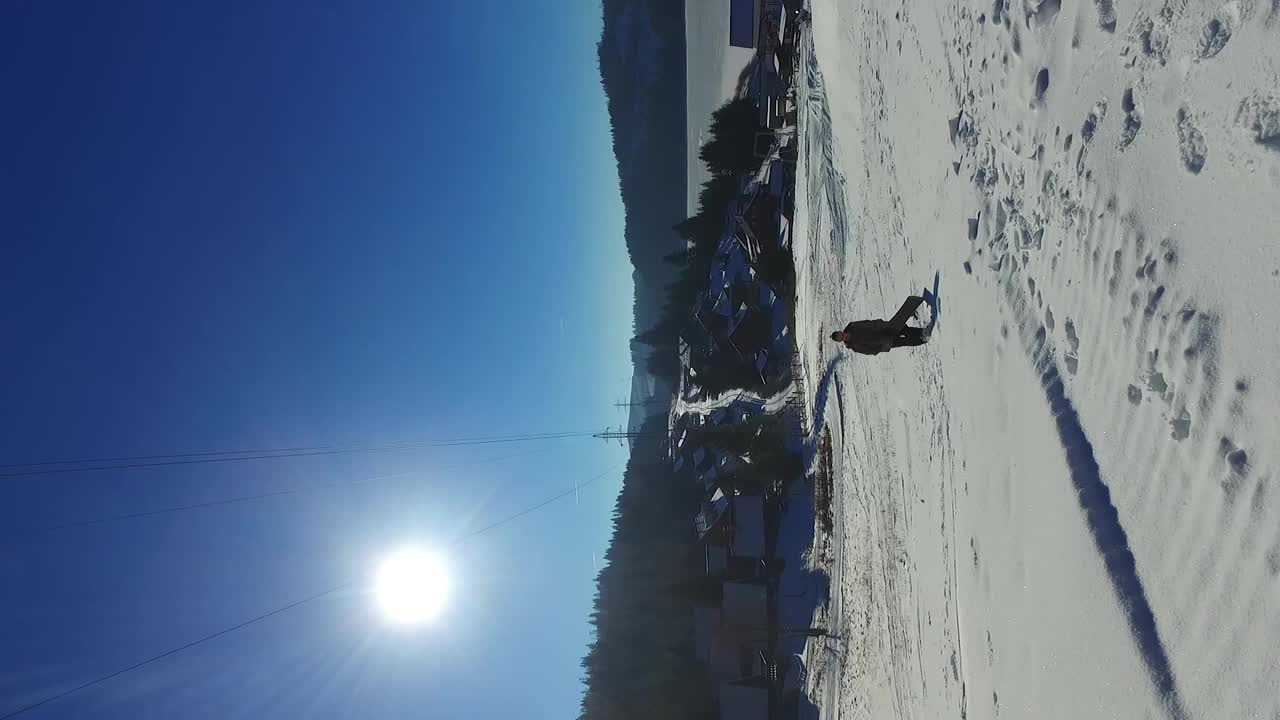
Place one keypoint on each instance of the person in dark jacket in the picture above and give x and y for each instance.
(872, 337)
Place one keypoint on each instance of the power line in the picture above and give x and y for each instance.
(175, 651)
(258, 496)
(131, 458)
(137, 462)
(284, 608)
(534, 508)
(162, 457)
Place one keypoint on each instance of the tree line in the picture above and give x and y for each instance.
(729, 155)
(642, 664)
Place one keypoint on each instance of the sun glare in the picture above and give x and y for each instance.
(411, 587)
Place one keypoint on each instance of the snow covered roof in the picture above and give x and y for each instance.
(713, 513)
(766, 82)
(744, 23)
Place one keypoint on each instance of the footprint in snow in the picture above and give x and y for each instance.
(1117, 269)
(1154, 36)
(1181, 426)
(1217, 32)
(1090, 128)
(1134, 394)
(1191, 142)
(1153, 301)
(1238, 467)
(1260, 114)
(1237, 459)
(1132, 119)
(1042, 84)
(1072, 357)
(1106, 14)
(1043, 11)
(1147, 269)
(1093, 121)
(1158, 385)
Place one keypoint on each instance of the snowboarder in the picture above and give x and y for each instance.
(872, 337)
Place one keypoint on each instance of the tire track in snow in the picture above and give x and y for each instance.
(1094, 497)
(830, 185)
(879, 616)
(891, 620)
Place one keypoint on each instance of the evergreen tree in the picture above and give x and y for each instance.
(642, 663)
(663, 363)
(731, 149)
(679, 258)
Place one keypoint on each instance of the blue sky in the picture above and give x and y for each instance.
(233, 225)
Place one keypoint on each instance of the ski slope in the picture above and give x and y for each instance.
(1064, 506)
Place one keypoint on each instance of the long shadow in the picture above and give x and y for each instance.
(1100, 512)
(800, 590)
(820, 400)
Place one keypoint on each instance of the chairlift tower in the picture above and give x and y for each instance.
(642, 403)
(623, 434)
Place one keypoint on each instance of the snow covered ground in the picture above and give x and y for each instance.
(1064, 505)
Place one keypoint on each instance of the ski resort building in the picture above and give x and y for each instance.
(734, 522)
(744, 22)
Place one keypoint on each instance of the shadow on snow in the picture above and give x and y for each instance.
(1100, 512)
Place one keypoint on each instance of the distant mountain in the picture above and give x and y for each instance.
(642, 68)
(642, 664)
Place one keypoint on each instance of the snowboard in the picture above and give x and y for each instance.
(905, 313)
(935, 306)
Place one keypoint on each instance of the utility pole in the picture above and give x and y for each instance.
(623, 434)
(642, 403)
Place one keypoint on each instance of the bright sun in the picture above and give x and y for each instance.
(411, 587)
